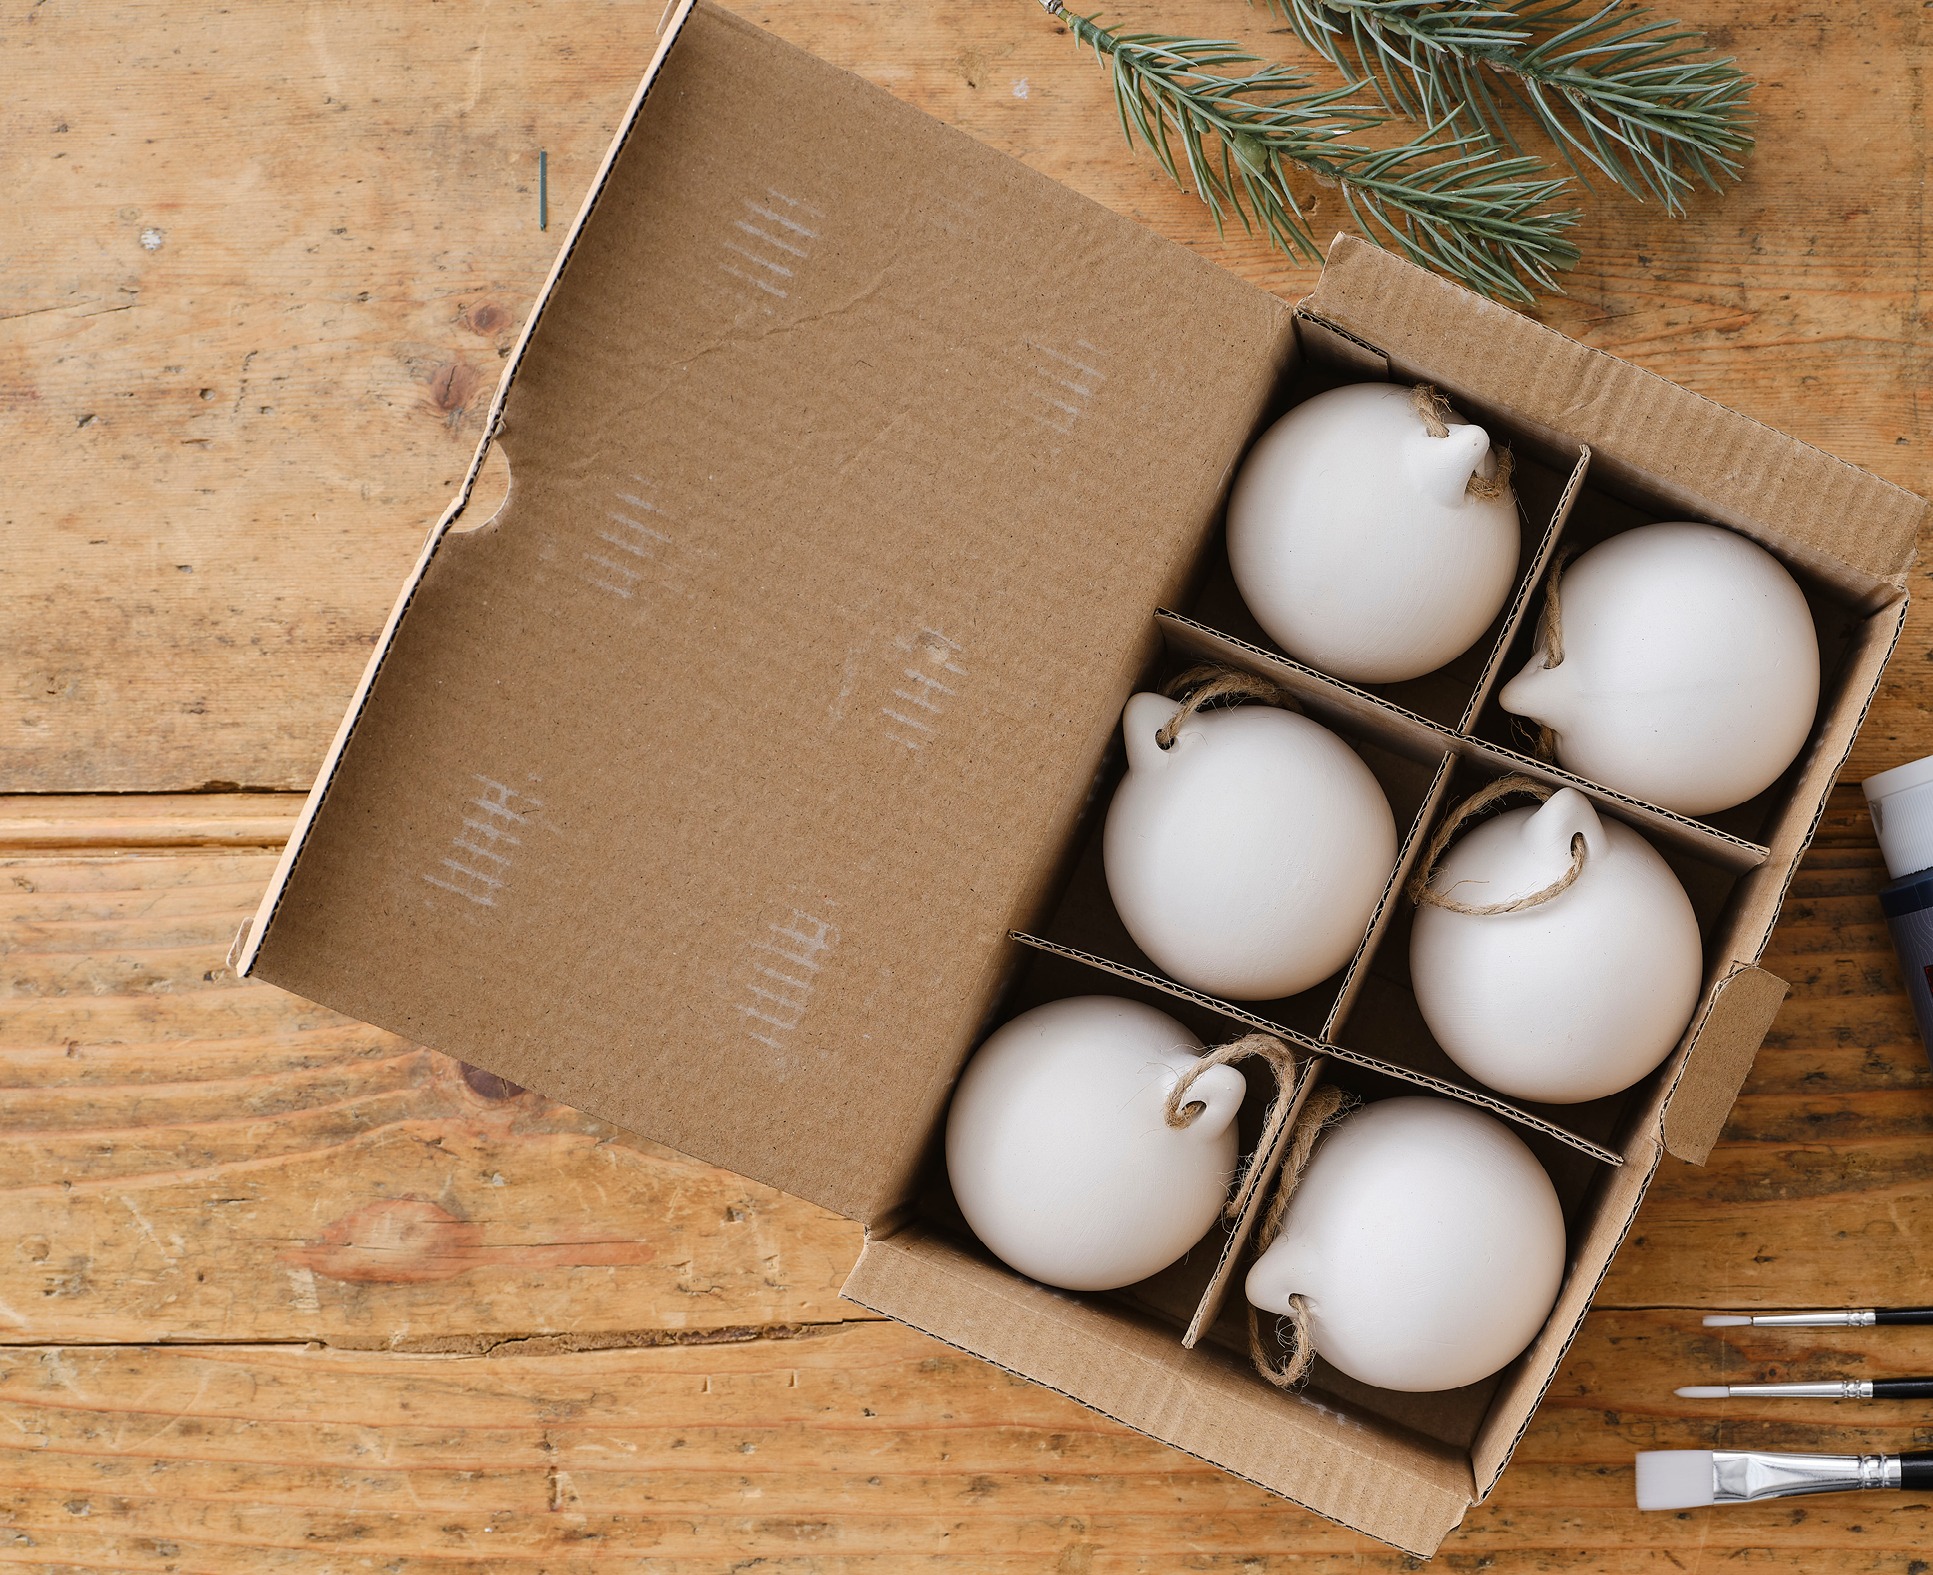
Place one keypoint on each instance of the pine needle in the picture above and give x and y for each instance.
(1628, 93)
(1453, 202)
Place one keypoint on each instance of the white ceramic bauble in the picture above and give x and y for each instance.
(1577, 997)
(1690, 672)
(1060, 1153)
(1247, 859)
(1355, 542)
(1427, 1241)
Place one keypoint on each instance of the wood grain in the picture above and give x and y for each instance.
(280, 1291)
(263, 266)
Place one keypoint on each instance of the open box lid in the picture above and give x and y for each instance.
(699, 787)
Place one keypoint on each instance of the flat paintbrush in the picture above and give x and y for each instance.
(1824, 1389)
(1689, 1478)
(1855, 1318)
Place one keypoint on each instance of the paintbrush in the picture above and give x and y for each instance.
(1855, 1318)
(1822, 1389)
(1691, 1478)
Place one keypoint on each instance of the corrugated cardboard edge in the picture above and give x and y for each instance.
(1560, 516)
(890, 1281)
(249, 938)
(1383, 301)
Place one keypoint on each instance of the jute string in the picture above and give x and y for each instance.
(1419, 888)
(1201, 686)
(1435, 411)
(1320, 1111)
(1552, 637)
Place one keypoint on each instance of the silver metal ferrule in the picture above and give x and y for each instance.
(1738, 1475)
(1834, 1389)
(1858, 1318)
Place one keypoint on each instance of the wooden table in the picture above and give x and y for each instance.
(279, 1291)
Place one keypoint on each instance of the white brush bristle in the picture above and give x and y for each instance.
(1674, 1478)
(1724, 1320)
(1703, 1392)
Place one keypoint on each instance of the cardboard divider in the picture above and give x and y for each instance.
(1421, 1078)
(1387, 1022)
(1521, 604)
(1325, 698)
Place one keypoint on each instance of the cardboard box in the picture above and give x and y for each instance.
(741, 772)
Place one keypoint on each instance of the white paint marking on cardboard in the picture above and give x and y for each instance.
(483, 838)
(770, 240)
(1020, 87)
(739, 273)
(801, 942)
(794, 203)
(781, 220)
(778, 268)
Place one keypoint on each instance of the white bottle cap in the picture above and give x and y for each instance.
(1901, 801)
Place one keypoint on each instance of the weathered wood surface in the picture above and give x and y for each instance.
(261, 265)
(278, 1290)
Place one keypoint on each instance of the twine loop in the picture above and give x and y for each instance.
(1202, 686)
(1181, 1111)
(1419, 889)
(1436, 412)
(1551, 633)
(1322, 1110)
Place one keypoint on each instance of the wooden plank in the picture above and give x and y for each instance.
(264, 265)
(859, 1448)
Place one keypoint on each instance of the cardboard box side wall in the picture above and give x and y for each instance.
(1851, 528)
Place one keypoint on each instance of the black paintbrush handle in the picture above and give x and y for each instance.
(1903, 1388)
(1916, 1471)
(1903, 1315)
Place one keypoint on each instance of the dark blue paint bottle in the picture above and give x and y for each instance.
(1901, 801)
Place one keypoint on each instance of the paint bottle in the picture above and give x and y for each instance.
(1901, 801)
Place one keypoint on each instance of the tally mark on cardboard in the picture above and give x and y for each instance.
(770, 238)
(1064, 385)
(917, 692)
(784, 972)
(629, 540)
(486, 846)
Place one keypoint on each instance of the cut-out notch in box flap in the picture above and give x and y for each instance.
(1743, 1005)
(699, 789)
(1856, 530)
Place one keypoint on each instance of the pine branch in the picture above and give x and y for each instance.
(1628, 92)
(1453, 203)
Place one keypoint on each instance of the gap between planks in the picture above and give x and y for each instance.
(482, 1344)
(57, 823)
